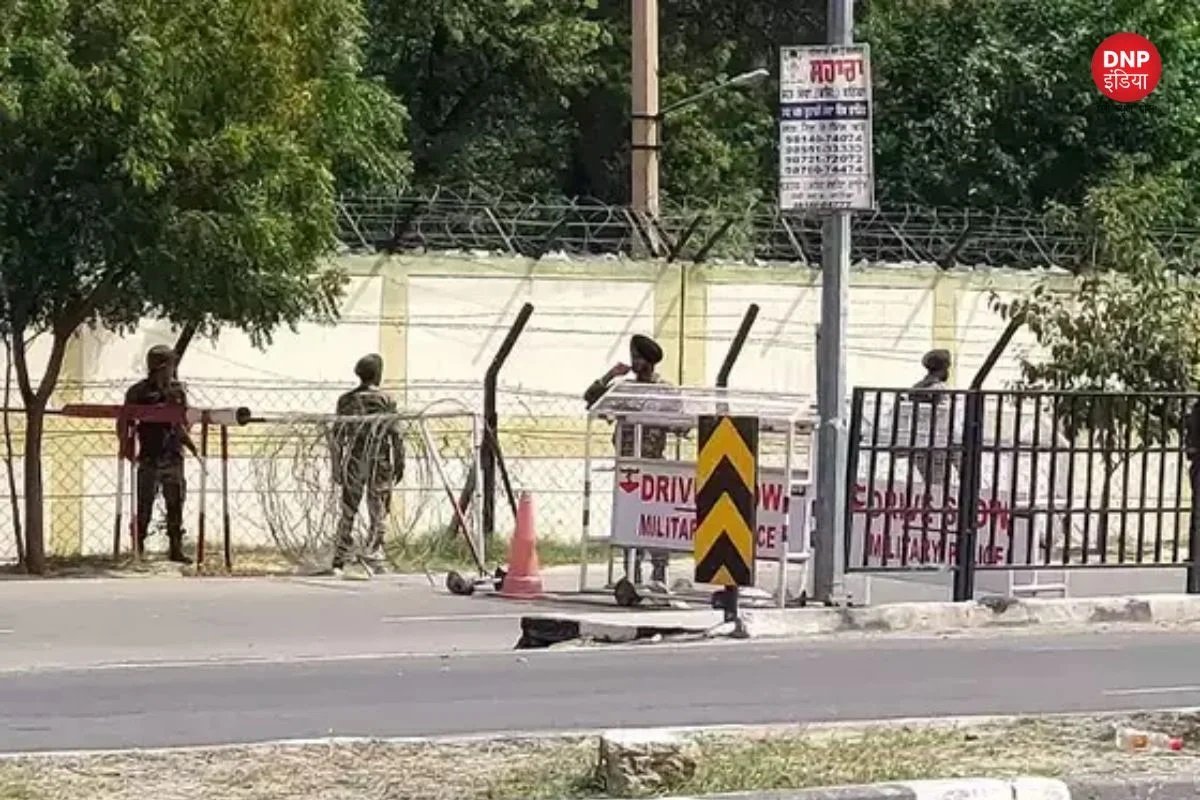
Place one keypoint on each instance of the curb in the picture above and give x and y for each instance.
(1134, 788)
(545, 629)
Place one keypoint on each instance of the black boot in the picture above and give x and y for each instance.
(176, 553)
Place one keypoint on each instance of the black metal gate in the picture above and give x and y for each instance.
(971, 480)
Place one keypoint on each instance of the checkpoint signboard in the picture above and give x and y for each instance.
(654, 507)
(891, 528)
(825, 145)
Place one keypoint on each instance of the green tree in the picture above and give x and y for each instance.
(991, 102)
(723, 149)
(532, 96)
(489, 85)
(178, 160)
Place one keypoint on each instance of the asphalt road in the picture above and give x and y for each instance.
(88, 623)
(144, 706)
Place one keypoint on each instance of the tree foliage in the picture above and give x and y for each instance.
(489, 84)
(978, 102)
(991, 102)
(176, 160)
(1129, 325)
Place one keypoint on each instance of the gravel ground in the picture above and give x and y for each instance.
(562, 768)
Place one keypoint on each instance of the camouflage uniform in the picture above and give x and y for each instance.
(368, 459)
(933, 467)
(654, 437)
(160, 462)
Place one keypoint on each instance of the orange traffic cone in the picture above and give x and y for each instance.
(524, 578)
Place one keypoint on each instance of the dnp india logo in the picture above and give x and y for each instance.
(1126, 67)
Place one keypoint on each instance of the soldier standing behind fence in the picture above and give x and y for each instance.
(929, 405)
(368, 457)
(160, 450)
(644, 355)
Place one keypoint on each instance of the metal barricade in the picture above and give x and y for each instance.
(653, 498)
(1034, 482)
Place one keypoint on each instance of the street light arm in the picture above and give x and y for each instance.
(737, 80)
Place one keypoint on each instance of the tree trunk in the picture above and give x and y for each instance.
(35, 418)
(13, 497)
(35, 542)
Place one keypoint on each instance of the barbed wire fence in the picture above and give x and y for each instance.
(470, 220)
(283, 501)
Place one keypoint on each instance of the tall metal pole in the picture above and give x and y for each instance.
(646, 119)
(832, 443)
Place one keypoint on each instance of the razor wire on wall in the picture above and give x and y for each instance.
(446, 220)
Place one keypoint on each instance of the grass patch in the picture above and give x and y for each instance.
(15, 791)
(441, 553)
(410, 555)
(566, 768)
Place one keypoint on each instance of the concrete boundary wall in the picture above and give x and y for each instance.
(438, 320)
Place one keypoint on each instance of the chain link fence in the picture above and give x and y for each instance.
(282, 501)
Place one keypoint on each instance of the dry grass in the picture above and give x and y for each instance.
(413, 557)
(558, 769)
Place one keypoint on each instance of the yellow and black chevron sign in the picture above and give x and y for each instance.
(726, 500)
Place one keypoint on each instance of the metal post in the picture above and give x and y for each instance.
(730, 596)
(1193, 570)
(133, 511)
(586, 520)
(201, 522)
(491, 420)
(786, 533)
(735, 347)
(832, 440)
(124, 448)
(477, 445)
(968, 497)
(226, 532)
(969, 472)
(828, 555)
(646, 118)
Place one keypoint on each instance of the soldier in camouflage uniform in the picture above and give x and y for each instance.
(644, 355)
(368, 458)
(937, 373)
(160, 450)
(932, 467)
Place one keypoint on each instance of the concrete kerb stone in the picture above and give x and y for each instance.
(1134, 788)
(548, 628)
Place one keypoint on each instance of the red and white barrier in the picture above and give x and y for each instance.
(127, 417)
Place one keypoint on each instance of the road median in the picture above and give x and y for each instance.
(789, 761)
